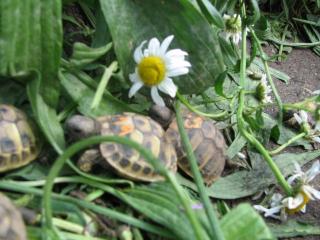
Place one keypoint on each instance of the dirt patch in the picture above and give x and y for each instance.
(303, 67)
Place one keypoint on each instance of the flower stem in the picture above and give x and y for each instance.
(193, 109)
(241, 124)
(267, 70)
(103, 84)
(283, 146)
(216, 232)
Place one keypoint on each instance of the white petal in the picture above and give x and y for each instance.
(298, 118)
(153, 47)
(303, 115)
(317, 127)
(137, 55)
(292, 178)
(317, 92)
(156, 97)
(134, 77)
(165, 44)
(177, 64)
(316, 139)
(176, 53)
(226, 16)
(276, 199)
(298, 168)
(177, 72)
(311, 192)
(313, 171)
(294, 202)
(135, 88)
(168, 87)
(268, 212)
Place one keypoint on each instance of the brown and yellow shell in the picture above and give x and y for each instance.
(17, 140)
(11, 224)
(143, 130)
(207, 144)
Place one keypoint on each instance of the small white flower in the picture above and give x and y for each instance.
(302, 117)
(303, 179)
(317, 92)
(280, 207)
(275, 207)
(233, 27)
(156, 66)
(263, 90)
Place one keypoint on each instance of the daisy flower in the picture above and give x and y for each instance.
(232, 27)
(303, 179)
(156, 65)
(280, 207)
(263, 90)
(302, 119)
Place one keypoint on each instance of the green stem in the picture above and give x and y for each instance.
(282, 39)
(193, 109)
(103, 84)
(216, 231)
(241, 124)
(267, 70)
(302, 45)
(283, 146)
(73, 149)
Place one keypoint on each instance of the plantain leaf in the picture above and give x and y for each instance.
(31, 36)
(83, 55)
(242, 223)
(294, 228)
(143, 20)
(83, 96)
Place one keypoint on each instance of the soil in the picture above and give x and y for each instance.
(303, 67)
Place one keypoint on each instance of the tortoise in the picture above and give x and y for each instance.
(11, 224)
(18, 145)
(207, 142)
(125, 161)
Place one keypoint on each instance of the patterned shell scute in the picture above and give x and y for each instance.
(207, 144)
(11, 223)
(17, 140)
(143, 130)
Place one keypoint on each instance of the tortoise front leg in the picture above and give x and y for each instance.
(88, 159)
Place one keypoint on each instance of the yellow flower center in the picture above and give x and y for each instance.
(151, 70)
(306, 199)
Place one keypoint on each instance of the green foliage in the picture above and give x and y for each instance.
(140, 21)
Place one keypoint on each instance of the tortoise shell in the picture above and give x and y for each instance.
(17, 140)
(207, 144)
(143, 130)
(11, 224)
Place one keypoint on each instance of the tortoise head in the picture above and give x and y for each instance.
(162, 115)
(79, 127)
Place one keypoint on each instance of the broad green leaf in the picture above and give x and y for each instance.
(294, 228)
(143, 20)
(160, 203)
(46, 116)
(212, 14)
(283, 134)
(83, 55)
(83, 96)
(245, 183)
(244, 223)
(31, 36)
(218, 87)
